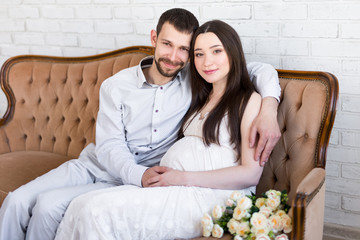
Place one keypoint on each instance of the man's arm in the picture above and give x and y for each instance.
(112, 150)
(266, 82)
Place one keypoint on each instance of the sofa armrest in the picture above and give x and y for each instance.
(308, 206)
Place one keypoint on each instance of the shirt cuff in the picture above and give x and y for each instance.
(136, 174)
(269, 93)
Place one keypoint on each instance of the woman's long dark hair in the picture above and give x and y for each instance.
(237, 93)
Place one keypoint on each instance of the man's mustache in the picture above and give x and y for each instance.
(168, 61)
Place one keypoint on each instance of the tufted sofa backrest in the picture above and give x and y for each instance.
(306, 116)
(53, 101)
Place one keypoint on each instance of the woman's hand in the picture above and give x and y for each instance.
(169, 178)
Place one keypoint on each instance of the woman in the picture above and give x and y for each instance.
(207, 164)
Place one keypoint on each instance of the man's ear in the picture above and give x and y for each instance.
(153, 37)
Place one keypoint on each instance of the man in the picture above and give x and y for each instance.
(140, 113)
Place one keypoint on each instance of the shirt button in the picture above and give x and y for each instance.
(155, 130)
(136, 153)
(156, 110)
(161, 88)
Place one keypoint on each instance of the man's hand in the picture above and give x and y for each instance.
(266, 127)
(169, 178)
(150, 173)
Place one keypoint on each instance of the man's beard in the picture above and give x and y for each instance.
(166, 60)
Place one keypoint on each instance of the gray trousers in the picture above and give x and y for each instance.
(34, 211)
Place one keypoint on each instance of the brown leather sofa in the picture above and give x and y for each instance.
(53, 104)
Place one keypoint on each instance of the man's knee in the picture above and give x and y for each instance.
(48, 206)
(17, 200)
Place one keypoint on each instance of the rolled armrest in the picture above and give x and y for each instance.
(308, 206)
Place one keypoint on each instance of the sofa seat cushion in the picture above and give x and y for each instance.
(24, 166)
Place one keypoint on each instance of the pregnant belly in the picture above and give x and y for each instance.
(191, 154)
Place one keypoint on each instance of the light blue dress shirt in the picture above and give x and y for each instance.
(137, 121)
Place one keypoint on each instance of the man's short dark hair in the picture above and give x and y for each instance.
(183, 20)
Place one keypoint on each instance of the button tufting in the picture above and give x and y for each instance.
(306, 136)
(40, 137)
(47, 118)
(25, 136)
(39, 100)
(54, 139)
(69, 139)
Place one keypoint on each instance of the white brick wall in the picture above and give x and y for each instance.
(289, 34)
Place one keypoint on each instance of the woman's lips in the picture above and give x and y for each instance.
(210, 71)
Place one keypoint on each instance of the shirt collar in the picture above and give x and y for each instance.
(146, 62)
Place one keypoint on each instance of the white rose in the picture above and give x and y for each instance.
(260, 231)
(259, 221)
(276, 223)
(273, 203)
(273, 194)
(266, 211)
(243, 229)
(218, 211)
(282, 237)
(260, 202)
(237, 237)
(232, 225)
(217, 231)
(236, 195)
(207, 222)
(280, 213)
(239, 213)
(286, 223)
(206, 232)
(244, 203)
(262, 237)
(229, 202)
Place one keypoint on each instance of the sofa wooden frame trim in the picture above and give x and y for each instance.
(4, 74)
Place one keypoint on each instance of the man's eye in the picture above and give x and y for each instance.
(185, 49)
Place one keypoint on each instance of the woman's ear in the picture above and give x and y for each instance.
(153, 37)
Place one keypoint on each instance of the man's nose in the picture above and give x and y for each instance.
(173, 55)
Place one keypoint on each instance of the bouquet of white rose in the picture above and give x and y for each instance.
(248, 217)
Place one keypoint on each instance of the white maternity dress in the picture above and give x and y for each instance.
(129, 212)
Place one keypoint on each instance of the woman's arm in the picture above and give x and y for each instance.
(236, 177)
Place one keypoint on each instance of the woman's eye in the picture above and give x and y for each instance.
(198, 54)
(217, 51)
